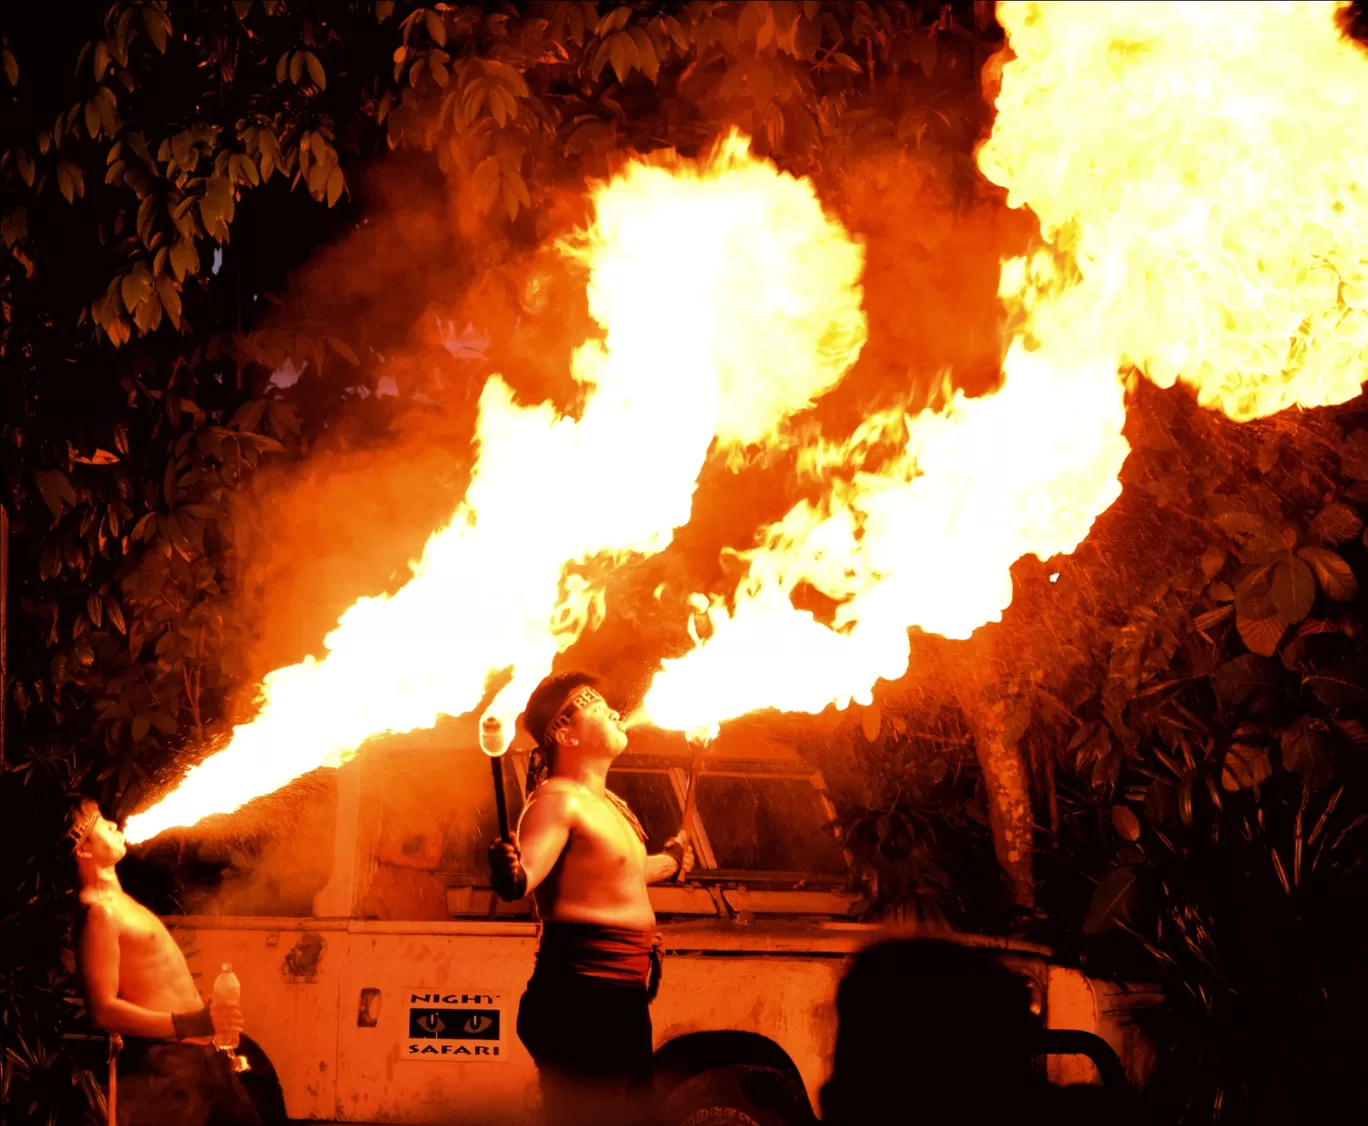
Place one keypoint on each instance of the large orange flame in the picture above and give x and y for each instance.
(1194, 171)
(728, 301)
(1203, 215)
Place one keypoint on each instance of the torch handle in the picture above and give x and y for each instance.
(500, 800)
(691, 799)
(691, 795)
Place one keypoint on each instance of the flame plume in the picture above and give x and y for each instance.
(753, 288)
(1203, 218)
(1195, 176)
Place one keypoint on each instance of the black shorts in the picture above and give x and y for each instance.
(587, 1026)
(165, 1081)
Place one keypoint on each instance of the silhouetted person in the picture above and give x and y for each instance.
(932, 1032)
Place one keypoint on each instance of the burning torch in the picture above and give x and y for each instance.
(493, 744)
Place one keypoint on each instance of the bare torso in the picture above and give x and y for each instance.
(600, 875)
(152, 971)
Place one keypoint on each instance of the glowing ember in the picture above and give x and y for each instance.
(728, 301)
(1208, 223)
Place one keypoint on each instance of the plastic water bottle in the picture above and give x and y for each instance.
(227, 991)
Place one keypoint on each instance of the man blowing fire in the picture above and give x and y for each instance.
(138, 986)
(585, 1017)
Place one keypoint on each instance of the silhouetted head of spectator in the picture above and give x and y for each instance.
(930, 1031)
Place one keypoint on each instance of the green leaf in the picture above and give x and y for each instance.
(485, 181)
(1254, 593)
(316, 70)
(296, 67)
(1112, 902)
(615, 20)
(335, 185)
(1261, 635)
(1335, 576)
(647, 60)
(846, 63)
(623, 54)
(1336, 523)
(1244, 767)
(1308, 749)
(148, 314)
(115, 612)
(436, 28)
(1235, 681)
(145, 528)
(1126, 824)
(1294, 589)
(170, 298)
(141, 724)
(343, 349)
(11, 66)
(158, 27)
(50, 562)
(1341, 686)
(871, 717)
(70, 180)
(1213, 559)
(135, 286)
(55, 489)
(94, 609)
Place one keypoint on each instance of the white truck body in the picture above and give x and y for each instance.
(388, 1020)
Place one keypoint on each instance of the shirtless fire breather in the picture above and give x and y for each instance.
(139, 989)
(585, 1016)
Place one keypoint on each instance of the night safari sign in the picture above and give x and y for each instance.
(457, 1025)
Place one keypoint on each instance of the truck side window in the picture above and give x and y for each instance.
(769, 824)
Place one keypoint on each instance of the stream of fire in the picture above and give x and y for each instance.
(1203, 219)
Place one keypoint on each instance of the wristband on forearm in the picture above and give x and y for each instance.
(674, 848)
(193, 1024)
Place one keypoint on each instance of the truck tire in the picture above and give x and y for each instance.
(740, 1095)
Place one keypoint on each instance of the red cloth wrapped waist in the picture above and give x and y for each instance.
(591, 950)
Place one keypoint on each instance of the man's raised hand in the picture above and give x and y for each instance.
(681, 848)
(506, 870)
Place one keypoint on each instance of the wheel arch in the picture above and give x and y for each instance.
(693, 1053)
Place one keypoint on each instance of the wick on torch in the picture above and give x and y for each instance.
(493, 744)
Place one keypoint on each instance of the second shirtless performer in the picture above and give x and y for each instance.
(585, 1017)
(138, 986)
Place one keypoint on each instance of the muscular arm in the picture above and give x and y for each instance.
(659, 867)
(100, 975)
(543, 833)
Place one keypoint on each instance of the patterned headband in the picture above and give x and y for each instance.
(581, 697)
(82, 828)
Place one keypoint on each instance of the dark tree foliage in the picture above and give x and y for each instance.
(1190, 697)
